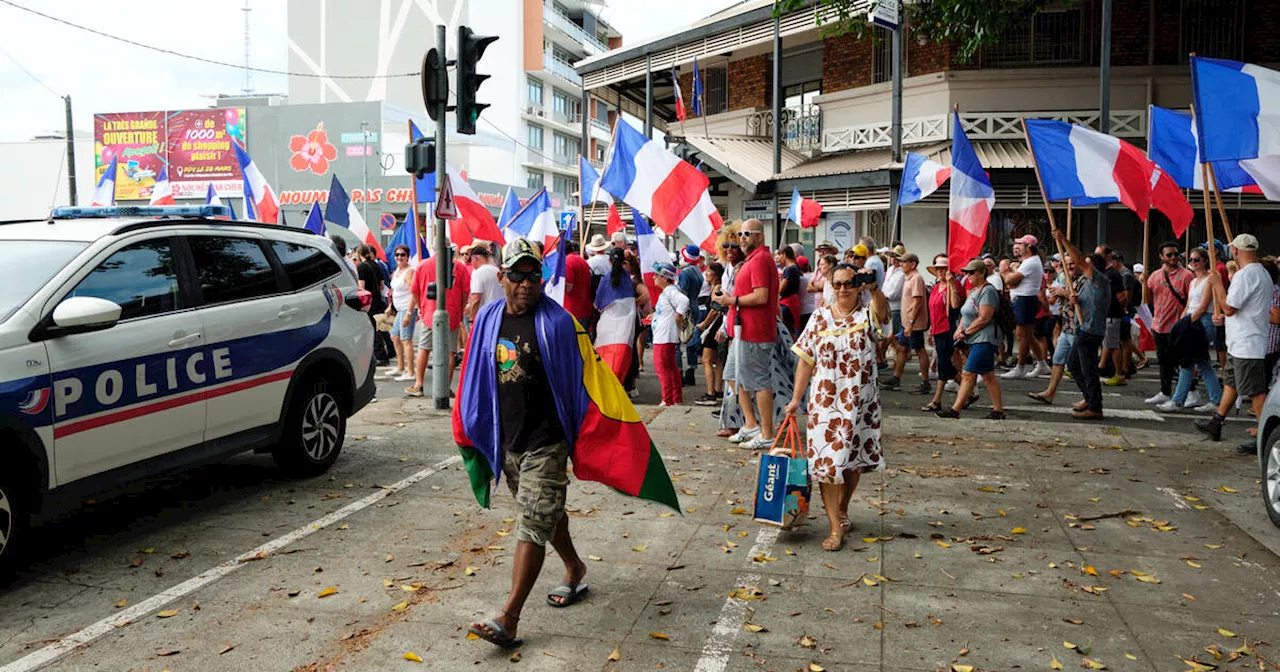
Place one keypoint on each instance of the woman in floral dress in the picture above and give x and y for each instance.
(838, 352)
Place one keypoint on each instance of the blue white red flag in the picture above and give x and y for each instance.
(315, 220)
(656, 183)
(589, 178)
(675, 83)
(510, 206)
(804, 211)
(536, 221)
(1089, 167)
(1173, 147)
(651, 250)
(105, 192)
(424, 188)
(162, 193)
(341, 211)
(972, 200)
(259, 200)
(921, 177)
(1237, 108)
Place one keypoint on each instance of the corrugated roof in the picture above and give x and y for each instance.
(994, 154)
(750, 157)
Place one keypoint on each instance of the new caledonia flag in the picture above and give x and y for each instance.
(607, 439)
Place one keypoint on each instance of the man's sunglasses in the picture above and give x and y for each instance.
(518, 277)
(748, 234)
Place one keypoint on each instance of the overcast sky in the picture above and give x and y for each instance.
(103, 75)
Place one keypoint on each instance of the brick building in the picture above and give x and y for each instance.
(835, 122)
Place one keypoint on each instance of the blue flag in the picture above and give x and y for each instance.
(510, 207)
(697, 90)
(315, 221)
(589, 180)
(425, 188)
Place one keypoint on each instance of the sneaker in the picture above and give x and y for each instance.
(1041, 370)
(1169, 406)
(1193, 399)
(994, 415)
(951, 386)
(758, 443)
(405, 377)
(1016, 373)
(664, 404)
(1160, 398)
(892, 383)
(413, 391)
(947, 413)
(744, 434)
(1207, 407)
(1211, 427)
(922, 388)
(633, 393)
(1115, 381)
(715, 413)
(1247, 448)
(706, 400)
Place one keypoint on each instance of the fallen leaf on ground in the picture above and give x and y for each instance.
(814, 667)
(752, 627)
(515, 657)
(1146, 578)
(1130, 656)
(1054, 664)
(638, 549)
(400, 607)
(659, 635)
(1018, 530)
(472, 635)
(1088, 569)
(167, 613)
(942, 543)
(1193, 666)
(1226, 633)
(226, 649)
(615, 656)
(1073, 621)
(1069, 645)
(470, 571)
(411, 656)
(1192, 564)
(168, 652)
(121, 604)
(1189, 596)
(869, 582)
(1092, 664)
(1229, 491)
(807, 642)
(595, 557)
(737, 511)
(956, 667)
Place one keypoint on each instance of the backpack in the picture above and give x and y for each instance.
(1003, 319)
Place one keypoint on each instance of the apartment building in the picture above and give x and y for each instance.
(835, 122)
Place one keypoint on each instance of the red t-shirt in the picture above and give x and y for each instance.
(577, 301)
(939, 315)
(1045, 281)
(759, 323)
(454, 298)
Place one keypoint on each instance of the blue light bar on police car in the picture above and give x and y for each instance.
(102, 212)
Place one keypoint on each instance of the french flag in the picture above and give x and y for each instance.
(1089, 167)
(1175, 150)
(474, 221)
(315, 220)
(259, 200)
(972, 200)
(803, 211)
(162, 193)
(652, 251)
(211, 198)
(921, 177)
(424, 188)
(341, 211)
(616, 328)
(657, 183)
(536, 221)
(615, 223)
(589, 181)
(510, 206)
(1238, 117)
(1169, 199)
(675, 83)
(105, 193)
(553, 270)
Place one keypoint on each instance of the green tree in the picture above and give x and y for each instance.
(967, 24)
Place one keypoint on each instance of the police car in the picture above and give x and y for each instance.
(139, 340)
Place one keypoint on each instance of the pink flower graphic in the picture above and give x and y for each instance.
(312, 151)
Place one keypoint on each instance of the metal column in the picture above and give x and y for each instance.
(1104, 102)
(71, 153)
(895, 116)
(779, 224)
(648, 96)
(441, 349)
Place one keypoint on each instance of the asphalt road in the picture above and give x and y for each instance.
(224, 568)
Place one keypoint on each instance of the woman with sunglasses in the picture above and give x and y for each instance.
(731, 256)
(837, 352)
(1192, 338)
(403, 317)
(977, 329)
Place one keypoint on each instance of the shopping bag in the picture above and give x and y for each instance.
(782, 487)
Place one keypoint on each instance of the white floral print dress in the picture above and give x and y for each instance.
(844, 399)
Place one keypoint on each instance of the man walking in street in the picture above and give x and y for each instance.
(915, 325)
(422, 292)
(485, 285)
(689, 282)
(1024, 293)
(753, 312)
(1092, 301)
(1168, 286)
(1247, 307)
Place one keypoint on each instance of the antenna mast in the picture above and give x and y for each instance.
(248, 77)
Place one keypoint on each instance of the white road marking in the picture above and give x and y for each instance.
(120, 619)
(1125, 413)
(733, 615)
(1177, 499)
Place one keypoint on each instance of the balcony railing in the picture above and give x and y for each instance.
(977, 125)
(801, 126)
(560, 69)
(564, 23)
(601, 124)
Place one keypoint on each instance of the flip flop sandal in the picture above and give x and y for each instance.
(931, 407)
(839, 543)
(570, 595)
(967, 404)
(846, 525)
(492, 631)
(1039, 397)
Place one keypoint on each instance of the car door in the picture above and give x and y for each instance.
(257, 328)
(131, 392)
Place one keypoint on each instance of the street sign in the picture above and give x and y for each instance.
(445, 206)
(567, 220)
(885, 13)
(387, 221)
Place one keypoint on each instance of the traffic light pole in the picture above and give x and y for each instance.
(441, 349)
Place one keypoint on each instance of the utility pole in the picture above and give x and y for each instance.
(895, 115)
(71, 152)
(648, 96)
(440, 346)
(779, 224)
(1104, 103)
(364, 160)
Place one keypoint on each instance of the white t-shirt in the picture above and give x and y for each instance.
(599, 264)
(1250, 295)
(994, 279)
(484, 281)
(806, 298)
(893, 279)
(672, 301)
(1032, 270)
(1196, 293)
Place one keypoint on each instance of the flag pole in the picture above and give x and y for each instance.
(1053, 226)
(1208, 220)
(1222, 212)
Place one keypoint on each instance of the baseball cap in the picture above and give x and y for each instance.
(910, 257)
(517, 250)
(861, 250)
(1138, 268)
(1245, 242)
(1028, 240)
(1056, 257)
(665, 270)
(975, 265)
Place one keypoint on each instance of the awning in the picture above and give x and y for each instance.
(993, 154)
(746, 160)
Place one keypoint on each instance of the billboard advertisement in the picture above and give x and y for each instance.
(200, 151)
(137, 140)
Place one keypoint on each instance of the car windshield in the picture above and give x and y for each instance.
(29, 264)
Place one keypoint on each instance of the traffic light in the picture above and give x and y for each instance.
(435, 82)
(470, 48)
(420, 157)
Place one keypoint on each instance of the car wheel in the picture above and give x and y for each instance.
(13, 523)
(314, 430)
(1271, 477)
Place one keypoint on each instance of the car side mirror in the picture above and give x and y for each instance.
(78, 315)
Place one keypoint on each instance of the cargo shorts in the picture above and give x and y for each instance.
(539, 482)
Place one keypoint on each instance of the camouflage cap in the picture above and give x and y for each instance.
(517, 250)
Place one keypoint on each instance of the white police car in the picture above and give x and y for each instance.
(138, 340)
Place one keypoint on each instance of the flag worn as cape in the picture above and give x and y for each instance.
(607, 440)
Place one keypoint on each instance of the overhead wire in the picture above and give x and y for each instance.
(29, 73)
